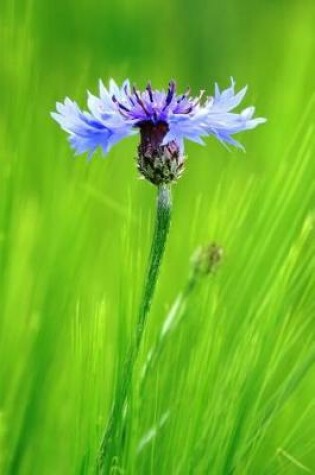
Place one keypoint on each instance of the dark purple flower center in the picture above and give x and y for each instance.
(152, 105)
(152, 135)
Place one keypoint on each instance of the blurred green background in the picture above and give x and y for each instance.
(74, 238)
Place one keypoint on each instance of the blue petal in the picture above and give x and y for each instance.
(102, 126)
(214, 118)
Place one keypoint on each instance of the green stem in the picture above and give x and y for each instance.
(115, 425)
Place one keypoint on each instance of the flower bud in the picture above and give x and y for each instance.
(160, 164)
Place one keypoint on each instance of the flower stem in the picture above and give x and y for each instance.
(115, 426)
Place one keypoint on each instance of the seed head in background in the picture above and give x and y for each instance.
(163, 119)
(207, 259)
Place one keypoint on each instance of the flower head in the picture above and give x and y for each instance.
(163, 118)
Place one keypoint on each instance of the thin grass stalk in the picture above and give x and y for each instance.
(173, 319)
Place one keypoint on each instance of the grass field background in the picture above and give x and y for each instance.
(233, 390)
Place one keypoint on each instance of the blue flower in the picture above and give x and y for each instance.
(163, 118)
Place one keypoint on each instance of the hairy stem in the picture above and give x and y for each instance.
(115, 425)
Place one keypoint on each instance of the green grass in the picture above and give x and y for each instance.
(232, 392)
